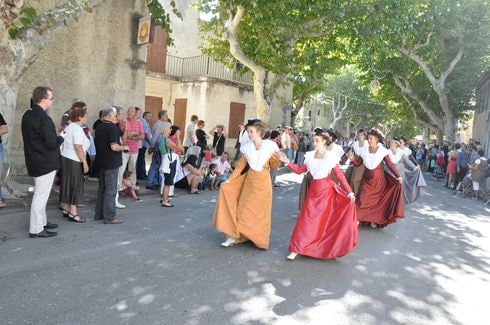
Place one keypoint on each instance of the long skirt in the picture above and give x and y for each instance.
(72, 180)
(356, 177)
(413, 182)
(244, 206)
(380, 198)
(327, 224)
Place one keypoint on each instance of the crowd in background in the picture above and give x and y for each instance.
(116, 148)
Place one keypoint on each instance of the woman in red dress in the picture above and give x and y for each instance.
(379, 200)
(327, 224)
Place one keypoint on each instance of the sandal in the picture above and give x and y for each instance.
(2, 204)
(76, 218)
(167, 205)
(196, 192)
(66, 214)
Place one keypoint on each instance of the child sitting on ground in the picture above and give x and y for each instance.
(213, 177)
(130, 189)
(210, 179)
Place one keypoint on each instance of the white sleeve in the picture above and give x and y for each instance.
(78, 136)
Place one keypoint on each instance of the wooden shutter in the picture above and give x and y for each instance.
(237, 116)
(153, 105)
(180, 115)
(157, 51)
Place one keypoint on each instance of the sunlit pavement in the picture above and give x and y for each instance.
(165, 266)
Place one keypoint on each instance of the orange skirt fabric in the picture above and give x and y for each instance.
(244, 205)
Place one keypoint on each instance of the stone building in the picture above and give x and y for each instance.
(185, 82)
(481, 122)
(95, 59)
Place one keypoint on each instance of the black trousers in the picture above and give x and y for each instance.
(460, 175)
(141, 164)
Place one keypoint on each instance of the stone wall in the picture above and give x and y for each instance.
(95, 59)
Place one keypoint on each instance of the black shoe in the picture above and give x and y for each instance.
(43, 234)
(50, 225)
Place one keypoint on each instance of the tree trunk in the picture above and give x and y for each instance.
(297, 107)
(262, 98)
(450, 128)
(439, 136)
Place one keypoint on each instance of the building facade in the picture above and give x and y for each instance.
(481, 122)
(185, 82)
(95, 59)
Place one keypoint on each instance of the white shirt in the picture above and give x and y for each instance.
(357, 148)
(222, 166)
(244, 138)
(478, 161)
(320, 168)
(189, 140)
(338, 150)
(258, 158)
(372, 160)
(74, 135)
(395, 158)
(406, 151)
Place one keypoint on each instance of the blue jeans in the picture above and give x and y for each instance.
(289, 153)
(105, 207)
(153, 177)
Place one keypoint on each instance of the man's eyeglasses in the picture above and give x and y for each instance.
(51, 99)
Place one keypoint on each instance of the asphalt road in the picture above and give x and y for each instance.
(165, 266)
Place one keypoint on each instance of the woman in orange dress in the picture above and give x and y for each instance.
(327, 224)
(379, 200)
(244, 205)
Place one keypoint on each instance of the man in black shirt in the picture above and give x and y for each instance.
(42, 156)
(108, 159)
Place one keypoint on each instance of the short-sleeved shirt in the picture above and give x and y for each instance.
(190, 129)
(163, 145)
(133, 126)
(2, 122)
(148, 135)
(74, 135)
(222, 167)
(107, 133)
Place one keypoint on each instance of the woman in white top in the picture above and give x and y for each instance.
(379, 200)
(327, 224)
(413, 179)
(74, 162)
(244, 205)
(188, 176)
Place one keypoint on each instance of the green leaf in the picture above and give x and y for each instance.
(25, 21)
(29, 12)
(13, 31)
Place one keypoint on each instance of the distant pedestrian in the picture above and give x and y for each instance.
(190, 133)
(145, 145)
(153, 179)
(42, 157)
